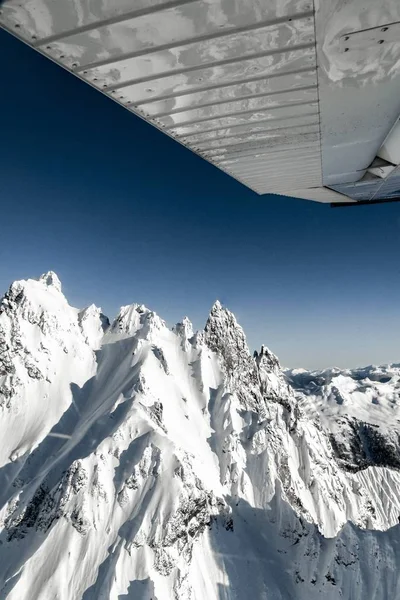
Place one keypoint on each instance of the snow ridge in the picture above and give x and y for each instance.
(143, 462)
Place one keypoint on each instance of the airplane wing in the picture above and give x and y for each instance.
(289, 97)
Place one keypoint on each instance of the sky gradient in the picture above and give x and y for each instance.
(124, 214)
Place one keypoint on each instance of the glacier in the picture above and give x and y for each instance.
(149, 463)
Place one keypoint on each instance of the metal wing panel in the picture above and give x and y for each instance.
(221, 95)
(198, 25)
(218, 135)
(36, 20)
(50, 20)
(359, 86)
(237, 107)
(237, 83)
(278, 114)
(268, 40)
(217, 77)
(236, 140)
(263, 170)
(191, 66)
(275, 141)
(319, 194)
(268, 160)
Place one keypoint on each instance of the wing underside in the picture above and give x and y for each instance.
(288, 97)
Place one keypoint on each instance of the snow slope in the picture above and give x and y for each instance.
(147, 463)
(359, 408)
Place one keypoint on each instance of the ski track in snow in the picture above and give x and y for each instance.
(139, 462)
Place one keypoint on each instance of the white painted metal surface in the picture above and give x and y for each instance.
(285, 96)
(320, 194)
(390, 149)
(367, 39)
(359, 90)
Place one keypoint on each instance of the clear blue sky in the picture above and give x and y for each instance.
(124, 214)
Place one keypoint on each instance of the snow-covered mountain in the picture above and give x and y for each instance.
(154, 464)
(360, 409)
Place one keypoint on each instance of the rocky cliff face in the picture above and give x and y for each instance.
(149, 463)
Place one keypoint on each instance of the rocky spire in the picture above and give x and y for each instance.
(51, 280)
(184, 329)
(224, 335)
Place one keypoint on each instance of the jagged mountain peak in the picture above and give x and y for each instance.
(29, 296)
(216, 308)
(134, 317)
(51, 280)
(93, 324)
(267, 360)
(224, 335)
(255, 379)
(184, 329)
